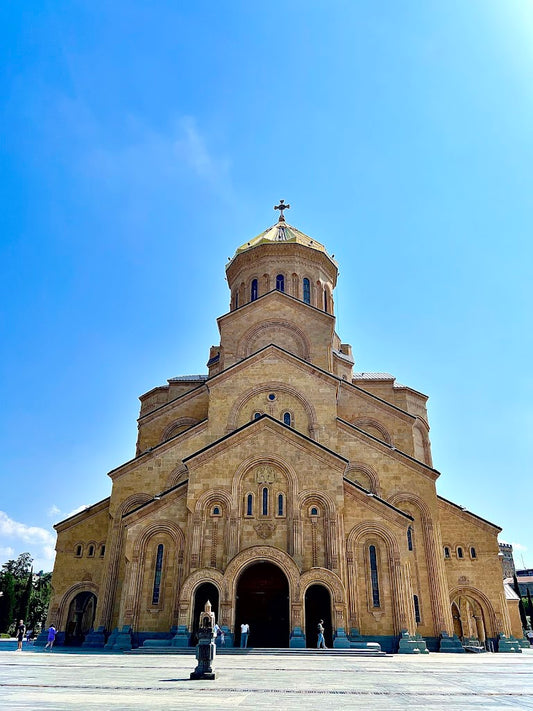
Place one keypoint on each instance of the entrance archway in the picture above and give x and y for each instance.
(317, 607)
(467, 611)
(204, 592)
(263, 602)
(80, 620)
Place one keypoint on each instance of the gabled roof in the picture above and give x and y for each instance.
(392, 450)
(273, 422)
(85, 513)
(375, 497)
(463, 510)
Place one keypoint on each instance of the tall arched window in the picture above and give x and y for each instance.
(249, 504)
(325, 301)
(253, 290)
(446, 552)
(280, 282)
(459, 552)
(265, 501)
(236, 300)
(157, 575)
(280, 504)
(374, 576)
(473, 553)
(287, 418)
(410, 538)
(417, 608)
(307, 290)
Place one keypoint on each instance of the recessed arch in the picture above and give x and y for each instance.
(368, 472)
(483, 601)
(370, 422)
(177, 427)
(268, 332)
(68, 597)
(274, 386)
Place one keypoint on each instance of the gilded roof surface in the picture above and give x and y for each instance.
(281, 232)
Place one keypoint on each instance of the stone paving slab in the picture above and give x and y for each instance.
(62, 681)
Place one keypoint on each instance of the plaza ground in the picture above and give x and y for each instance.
(35, 679)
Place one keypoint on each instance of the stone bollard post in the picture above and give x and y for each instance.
(205, 649)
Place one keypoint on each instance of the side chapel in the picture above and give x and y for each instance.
(283, 487)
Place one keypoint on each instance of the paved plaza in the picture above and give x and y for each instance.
(35, 679)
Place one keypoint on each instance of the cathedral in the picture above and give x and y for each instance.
(285, 488)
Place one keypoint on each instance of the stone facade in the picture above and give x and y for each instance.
(284, 487)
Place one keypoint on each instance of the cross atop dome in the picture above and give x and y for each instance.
(281, 207)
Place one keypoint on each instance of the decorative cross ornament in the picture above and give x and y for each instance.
(281, 207)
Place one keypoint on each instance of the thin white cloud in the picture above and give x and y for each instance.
(54, 511)
(518, 547)
(6, 553)
(17, 538)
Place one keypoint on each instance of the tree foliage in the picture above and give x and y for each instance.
(25, 596)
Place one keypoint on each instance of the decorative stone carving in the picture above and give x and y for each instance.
(265, 529)
(265, 475)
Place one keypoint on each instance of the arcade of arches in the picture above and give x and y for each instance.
(282, 486)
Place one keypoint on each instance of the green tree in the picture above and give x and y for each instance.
(40, 601)
(23, 603)
(20, 567)
(7, 600)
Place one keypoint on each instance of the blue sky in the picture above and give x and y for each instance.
(144, 142)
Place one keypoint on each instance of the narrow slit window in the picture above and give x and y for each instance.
(446, 552)
(236, 299)
(90, 552)
(417, 609)
(265, 501)
(102, 551)
(473, 553)
(307, 291)
(79, 551)
(325, 301)
(253, 290)
(280, 282)
(157, 576)
(410, 538)
(374, 576)
(249, 504)
(459, 552)
(280, 504)
(287, 418)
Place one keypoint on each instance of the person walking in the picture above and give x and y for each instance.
(51, 637)
(245, 631)
(21, 631)
(321, 644)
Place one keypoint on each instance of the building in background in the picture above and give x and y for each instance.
(508, 566)
(283, 487)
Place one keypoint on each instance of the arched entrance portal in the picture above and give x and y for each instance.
(80, 618)
(468, 618)
(263, 602)
(204, 592)
(317, 607)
